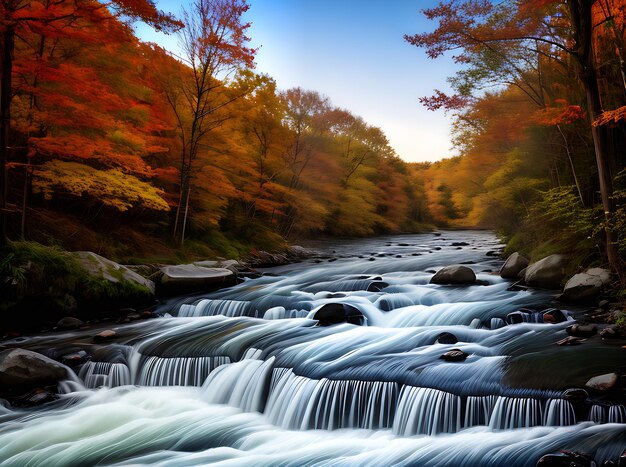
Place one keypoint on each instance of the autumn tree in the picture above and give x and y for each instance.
(21, 17)
(498, 42)
(213, 43)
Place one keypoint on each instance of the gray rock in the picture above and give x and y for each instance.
(455, 274)
(101, 267)
(69, 322)
(21, 368)
(547, 272)
(513, 265)
(586, 285)
(189, 278)
(602, 383)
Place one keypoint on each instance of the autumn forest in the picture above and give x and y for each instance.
(119, 146)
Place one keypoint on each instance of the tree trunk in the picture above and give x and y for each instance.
(604, 168)
(6, 61)
(583, 33)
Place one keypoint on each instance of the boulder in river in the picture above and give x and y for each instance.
(602, 383)
(513, 265)
(582, 330)
(186, 278)
(546, 273)
(22, 369)
(455, 275)
(585, 286)
(335, 313)
(454, 355)
(554, 316)
(446, 338)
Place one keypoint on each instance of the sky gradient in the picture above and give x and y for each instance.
(354, 53)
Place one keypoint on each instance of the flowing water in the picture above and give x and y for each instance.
(245, 376)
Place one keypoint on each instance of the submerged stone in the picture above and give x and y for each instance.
(446, 338)
(335, 313)
(454, 355)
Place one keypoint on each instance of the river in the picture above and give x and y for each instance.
(244, 376)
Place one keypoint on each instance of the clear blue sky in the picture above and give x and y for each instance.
(353, 52)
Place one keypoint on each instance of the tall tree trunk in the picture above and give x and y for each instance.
(581, 12)
(8, 43)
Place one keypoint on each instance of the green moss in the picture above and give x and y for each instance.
(39, 284)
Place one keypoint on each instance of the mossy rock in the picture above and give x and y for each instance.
(41, 284)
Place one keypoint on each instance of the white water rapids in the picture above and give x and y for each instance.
(245, 376)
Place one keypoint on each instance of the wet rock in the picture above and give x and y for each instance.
(335, 313)
(575, 395)
(189, 278)
(21, 368)
(492, 253)
(566, 459)
(446, 338)
(377, 286)
(69, 322)
(455, 275)
(582, 330)
(147, 315)
(104, 336)
(604, 304)
(602, 383)
(585, 286)
(554, 316)
(454, 355)
(372, 259)
(570, 340)
(403, 244)
(513, 265)
(460, 244)
(546, 273)
(612, 332)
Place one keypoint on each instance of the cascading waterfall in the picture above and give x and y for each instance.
(217, 307)
(224, 379)
(177, 371)
(559, 412)
(98, 374)
(427, 411)
(297, 402)
(513, 412)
